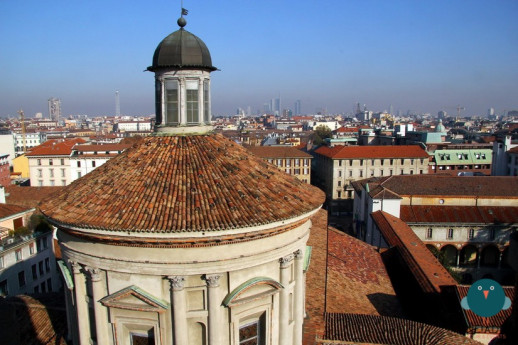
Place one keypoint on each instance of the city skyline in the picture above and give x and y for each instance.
(418, 56)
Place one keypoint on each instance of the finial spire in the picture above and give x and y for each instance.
(181, 21)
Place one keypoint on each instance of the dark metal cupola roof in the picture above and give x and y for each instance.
(182, 50)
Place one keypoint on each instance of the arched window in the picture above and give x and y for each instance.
(468, 256)
(490, 256)
(449, 255)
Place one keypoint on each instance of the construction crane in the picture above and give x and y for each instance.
(22, 120)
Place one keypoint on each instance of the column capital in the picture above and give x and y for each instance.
(299, 254)
(285, 261)
(176, 282)
(76, 267)
(95, 273)
(212, 280)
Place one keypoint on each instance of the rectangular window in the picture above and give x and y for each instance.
(361, 173)
(51, 172)
(339, 173)
(62, 161)
(21, 279)
(402, 161)
(32, 248)
(288, 162)
(471, 234)
(62, 172)
(34, 272)
(40, 173)
(339, 183)
(449, 234)
(40, 267)
(279, 162)
(18, 254)
(93, 164)
(1, 262)
(492, 234)
(52, 183)
(49, 285)
(340, 163)
(47, 265)
(3, 288)
(78, 174)
(429, 233)
(63, 182)
(51, 162)
(142, 339)
(39, 161)
(350, 173)
(79, 164)
(171, 98)
(206, 110)
(192, 106)
(250, 334)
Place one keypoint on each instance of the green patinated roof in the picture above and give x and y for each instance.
(66, 274)
(249, 283)
(307, 257)
(467, 156)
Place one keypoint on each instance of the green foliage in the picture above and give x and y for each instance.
(320, 133)
(38, 223)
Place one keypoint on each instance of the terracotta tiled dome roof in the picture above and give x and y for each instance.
(175, 184)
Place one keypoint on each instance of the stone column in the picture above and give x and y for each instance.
(182, 108)
(179, 299)
(284, 312)
(299, 297)
(83, 321)
(215, 317)
(209, 103)
(101, 318)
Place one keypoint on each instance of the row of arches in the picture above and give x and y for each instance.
(471, 256)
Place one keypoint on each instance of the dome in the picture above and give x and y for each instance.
(167, 186)
(440, 127)
(182, 50)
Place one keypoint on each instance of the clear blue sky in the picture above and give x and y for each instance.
(416, 55)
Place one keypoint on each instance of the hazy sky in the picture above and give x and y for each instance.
(416, 55)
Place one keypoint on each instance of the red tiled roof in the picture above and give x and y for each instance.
(316, 279)
(182, 183)
(55, 147)
(33, 320)
(7, 210)
(440, 185)
(348, 152)
(278, 152)
(28, 196)
(347, 130)
(101, 148)
(459, 214)
(374, 329)
(479, 324)
(427, 270)
(357, 281)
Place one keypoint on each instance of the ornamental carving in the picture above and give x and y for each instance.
(76, 267)
(212, 280)
(95, 273)
(176, 282)
(299, 254)
(285, 261)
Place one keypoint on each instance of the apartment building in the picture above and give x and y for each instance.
(85, 158)
(337, 167)
(49, 162)
(467, 221)
(288, 159)
(458, 162)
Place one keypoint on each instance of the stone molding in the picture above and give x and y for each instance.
(286, 260)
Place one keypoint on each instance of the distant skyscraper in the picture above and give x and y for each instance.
(442, 114)
(491, 112)
(117, 104)
(298, 107)
(54, 109)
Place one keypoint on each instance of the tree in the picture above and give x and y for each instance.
(320, 133)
